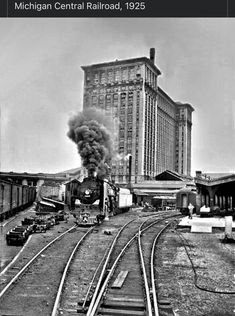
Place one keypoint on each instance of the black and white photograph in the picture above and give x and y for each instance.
(117, 166)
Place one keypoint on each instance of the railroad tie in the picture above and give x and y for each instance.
(120, 312)
(123, 305)
(165, 306)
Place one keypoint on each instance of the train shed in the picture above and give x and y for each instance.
(163, 189)
(215, 190)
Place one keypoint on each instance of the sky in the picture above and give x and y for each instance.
(41, 82)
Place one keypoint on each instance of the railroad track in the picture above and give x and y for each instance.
(32, 290)
(94, 256)
(81, 284)
(124, 285)
(147, 242)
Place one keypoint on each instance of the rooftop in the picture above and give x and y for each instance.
(121, 62)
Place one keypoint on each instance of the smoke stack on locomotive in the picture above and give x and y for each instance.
(92, 173)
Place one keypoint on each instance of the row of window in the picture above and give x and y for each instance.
(137, 131)
(115, 90)
(167, 108)
(125, 98)
(149, 141)
(150, 77)
(113, 75)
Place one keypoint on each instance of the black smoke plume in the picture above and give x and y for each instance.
(89, 130)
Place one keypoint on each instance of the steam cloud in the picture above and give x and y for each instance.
(89, 130)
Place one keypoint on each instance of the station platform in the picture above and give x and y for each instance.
(204, 224)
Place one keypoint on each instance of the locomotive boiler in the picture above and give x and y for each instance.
(94, 199)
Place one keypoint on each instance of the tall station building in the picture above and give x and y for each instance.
(151, 128)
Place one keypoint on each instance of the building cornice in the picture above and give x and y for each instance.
(179, 104)
(164, 94)
(121, 62)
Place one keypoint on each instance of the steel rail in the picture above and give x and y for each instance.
(58, 296)
(31, 261)
(93, 279)
(94, 305)
(146, 286)
(155, 303)
(93, 300)
(96, 301)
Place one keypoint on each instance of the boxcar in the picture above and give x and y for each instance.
(14, 198)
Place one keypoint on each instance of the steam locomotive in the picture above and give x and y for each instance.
(94, 199)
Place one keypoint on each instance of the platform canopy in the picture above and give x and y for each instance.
(139, 192)
(164, 197)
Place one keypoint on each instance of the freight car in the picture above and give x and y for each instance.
(183, 198)
(95, 199)
(51, 207)
(14, 198)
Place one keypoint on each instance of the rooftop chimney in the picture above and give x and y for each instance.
(198, 174)
(152, 55)
(92, 173)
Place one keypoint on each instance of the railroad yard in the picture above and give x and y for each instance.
(100, 214)
(192, 273)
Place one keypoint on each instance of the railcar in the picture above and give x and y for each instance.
(14, 198)
(59, 206)
(49, 207)
(183, 198)
(94, 199)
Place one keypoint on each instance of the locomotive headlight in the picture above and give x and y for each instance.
(87, 192)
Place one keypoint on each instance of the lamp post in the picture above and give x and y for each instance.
(130, 165)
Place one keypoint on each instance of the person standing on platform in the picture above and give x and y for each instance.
(190, 208)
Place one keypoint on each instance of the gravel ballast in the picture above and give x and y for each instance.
(186, 260)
